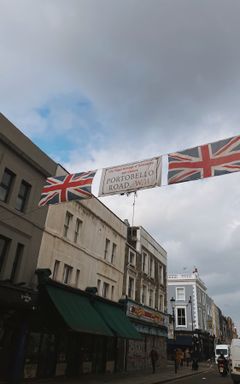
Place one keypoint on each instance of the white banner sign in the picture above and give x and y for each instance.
(131, 177)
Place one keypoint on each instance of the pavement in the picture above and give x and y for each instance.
(162, 375)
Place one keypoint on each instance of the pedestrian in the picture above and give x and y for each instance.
(178, 357)
(154, 358)
(187, 356)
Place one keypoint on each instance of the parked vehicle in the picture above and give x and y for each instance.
(234, 362)
(224, 349)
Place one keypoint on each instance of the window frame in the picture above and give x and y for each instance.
(144, 295)
(105, 290)
(67, 274)
(145, 262)
(181, 307)
(78, 227)
(151, 267)
(131, 287)
(56, 269)
(4, 251)
(17, 262)
(8, 188)
(114, 252)
(23, 198)
(151, 297)
(132, 258)
(67, 222)
(177, 294)
(107, 247)
(161, 302)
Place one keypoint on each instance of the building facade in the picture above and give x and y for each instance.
(191, 309)
(144, 290)
(199, 323)
(56, 326)
(84, 246)
(23, 170)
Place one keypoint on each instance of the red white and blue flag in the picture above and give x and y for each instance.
(207, 160)
(59, 189)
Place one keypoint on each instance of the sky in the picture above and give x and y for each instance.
(102, 83)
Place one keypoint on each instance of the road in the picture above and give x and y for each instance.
(210, 377)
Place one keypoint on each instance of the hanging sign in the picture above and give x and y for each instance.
(131, 177)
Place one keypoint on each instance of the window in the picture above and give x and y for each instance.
(151, 267)
(114, 247)
(23, 196)
(180, 293)
(161, 303)
(144, 262)
(99, 286)
(107, 245)
(77, 230)
(4, 246)
(144, 294)
(131, 287)
(133, 232)
(56, 269)
(6, 184)
(181, 316)
(67, 272)
(77, 277)
(132, 258)
(17, 262)
(105, 292)
(68, 219)
(151, 303)
(161, 280)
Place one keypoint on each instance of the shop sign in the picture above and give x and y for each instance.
(146, 314)
(131, 177)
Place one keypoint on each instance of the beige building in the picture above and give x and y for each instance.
(145, 290)
(84, 246)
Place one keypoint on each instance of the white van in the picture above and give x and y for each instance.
(222, 348)
(234, 363)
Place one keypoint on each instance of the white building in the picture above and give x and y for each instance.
(182, 287)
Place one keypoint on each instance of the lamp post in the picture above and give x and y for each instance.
(172, 301)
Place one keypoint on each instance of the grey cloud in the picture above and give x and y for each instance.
(161, 76)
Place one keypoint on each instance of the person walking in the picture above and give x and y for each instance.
(154, 358)
(178, 357)
(187, 356)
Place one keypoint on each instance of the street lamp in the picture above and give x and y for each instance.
(172, 301)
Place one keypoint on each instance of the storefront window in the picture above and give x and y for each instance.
(32, 354)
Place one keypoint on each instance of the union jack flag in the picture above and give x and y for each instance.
(59, 189)
(207, 160)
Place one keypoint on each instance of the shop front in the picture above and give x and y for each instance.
(17, 307)
(76, 333)
(151, 324)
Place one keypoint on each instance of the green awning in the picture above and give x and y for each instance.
(116, 319)
(78, 312)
